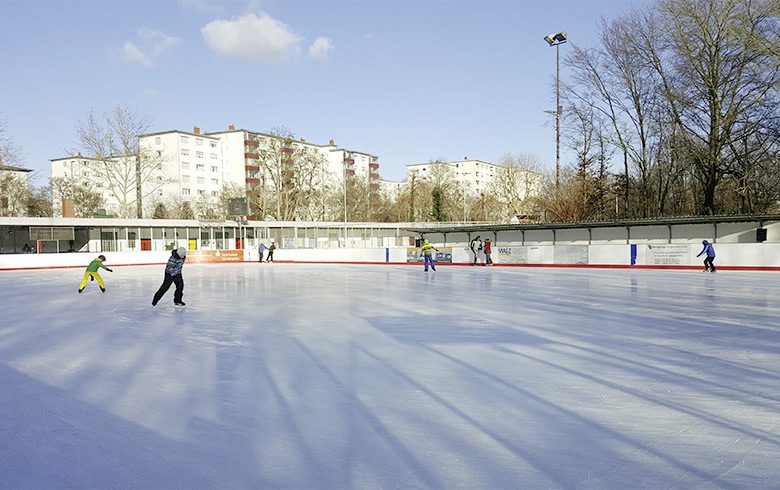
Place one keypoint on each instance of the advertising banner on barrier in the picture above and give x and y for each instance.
(671, 254)
(511, 255)
(209, 256)
(443, 254)
(571, 254)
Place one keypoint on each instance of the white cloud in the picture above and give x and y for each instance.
(148, 47)
(253, 37)
(320, 49)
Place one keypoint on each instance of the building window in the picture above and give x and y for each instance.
(199, 154)
(214, 156)
(199, 167)
(185, 178)
(201, 192)
(214, 168)
(185, 140)
(185, 165)
(215, 181)
(213, 144)
(214, 193)
(185, 152)
(185, 192)
(201, 180)
(199, 142)
(159, 193)
(159, 153)
(157, 140)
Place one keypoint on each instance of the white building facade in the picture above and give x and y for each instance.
(194, 166)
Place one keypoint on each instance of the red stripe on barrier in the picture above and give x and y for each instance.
(440, 264)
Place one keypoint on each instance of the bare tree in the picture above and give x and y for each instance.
(9, 152)
(515, 183)
(291, 171)
(86, 201)
(130, 173)
(719, 75)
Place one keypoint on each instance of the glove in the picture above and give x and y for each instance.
(109, 270)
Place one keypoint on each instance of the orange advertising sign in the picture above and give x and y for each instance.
(210, 256)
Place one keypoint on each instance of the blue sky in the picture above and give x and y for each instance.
(409, 81)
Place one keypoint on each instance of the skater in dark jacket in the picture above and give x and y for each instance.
(708, 261)
(271, 252)
(92, 273)
(173, 275)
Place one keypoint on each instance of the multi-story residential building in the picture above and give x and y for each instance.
(12, 181)
(475, 175)
(194, 166)
(80, 170)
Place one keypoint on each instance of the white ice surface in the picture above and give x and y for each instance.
(325, 376)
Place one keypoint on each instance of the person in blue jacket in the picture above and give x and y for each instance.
(708, 261)
(173, 275)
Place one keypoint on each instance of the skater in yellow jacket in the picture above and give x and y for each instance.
(92, 273)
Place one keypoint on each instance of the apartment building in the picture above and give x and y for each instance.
(476, 175)
(191, 163)
(194, 166)
(12, 181)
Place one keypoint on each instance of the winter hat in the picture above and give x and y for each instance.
(102, 257)
(704, 242)
(181, 251)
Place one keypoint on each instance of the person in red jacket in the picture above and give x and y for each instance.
(488, 251)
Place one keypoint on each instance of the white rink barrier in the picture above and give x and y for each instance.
(748, 256)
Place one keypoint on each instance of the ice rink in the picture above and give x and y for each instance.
(349, 376)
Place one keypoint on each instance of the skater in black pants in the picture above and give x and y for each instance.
(710, 251)
(271, 252)
(173, 275)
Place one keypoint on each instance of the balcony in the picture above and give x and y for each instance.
(287, 174)
(373, 186)
(252, 181)
(349, 172)
(349, 161)
(252, 168)
(287, 150)
(373, 165)
(251, 156)
(251, 143)
(373, 175)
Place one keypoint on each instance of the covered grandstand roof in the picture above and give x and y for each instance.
(664, 221)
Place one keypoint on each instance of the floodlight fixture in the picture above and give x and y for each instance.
(555, 39)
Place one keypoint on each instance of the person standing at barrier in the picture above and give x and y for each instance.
(92, 273)
(427, 251)
(475, 246)
(271, 252)
(261, 251)
(173, 275)
(708, 261)
(488, 251)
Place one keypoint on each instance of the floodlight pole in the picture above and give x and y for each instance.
(557, 115)
(556, 40)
